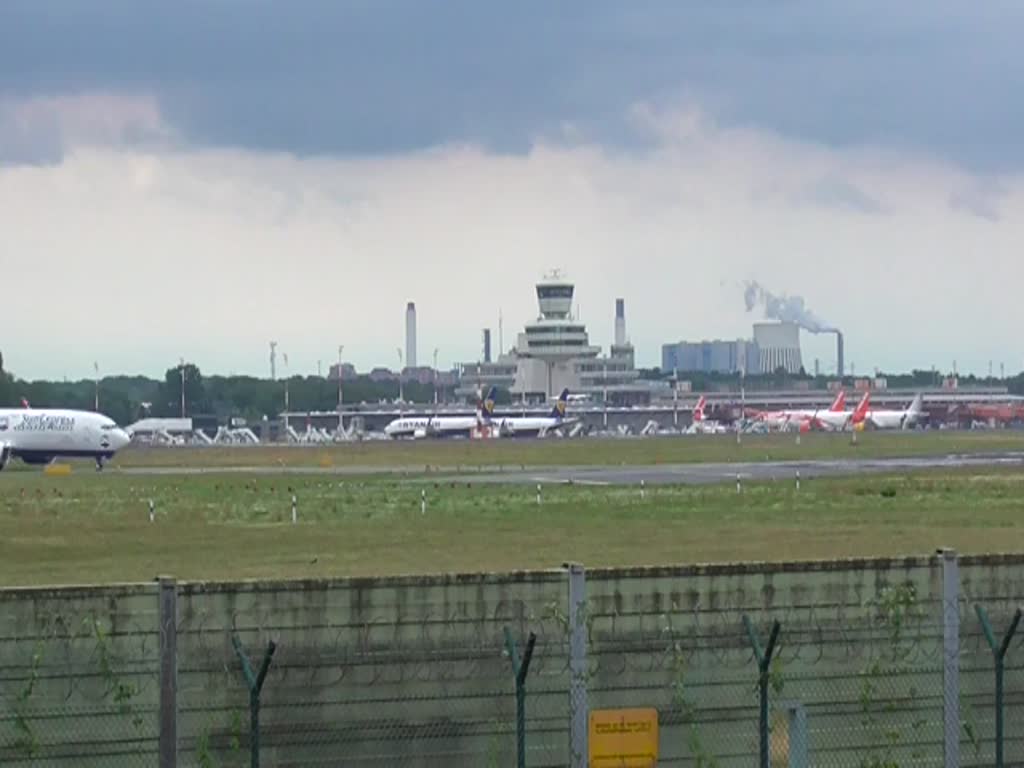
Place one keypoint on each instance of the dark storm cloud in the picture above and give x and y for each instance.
(328, 76)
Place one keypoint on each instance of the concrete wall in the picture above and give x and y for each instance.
(410, 671)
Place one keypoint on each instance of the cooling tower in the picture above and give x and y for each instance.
(779, 345)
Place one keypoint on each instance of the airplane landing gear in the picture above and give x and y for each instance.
(5, 457)
(99, 463)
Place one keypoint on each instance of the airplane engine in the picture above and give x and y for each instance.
(419, 433)
(37, 459)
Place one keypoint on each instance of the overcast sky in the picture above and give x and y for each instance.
(198, 178)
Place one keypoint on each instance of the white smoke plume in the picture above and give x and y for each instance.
(788, 309)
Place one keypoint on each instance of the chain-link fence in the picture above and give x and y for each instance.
(861, 664)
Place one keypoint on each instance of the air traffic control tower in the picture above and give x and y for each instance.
(549, 349)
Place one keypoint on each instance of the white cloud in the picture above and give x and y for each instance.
(135, 255)
(39, 130)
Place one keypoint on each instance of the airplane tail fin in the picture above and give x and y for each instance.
(698, 410)
(558, 412)
(917, 406)
(25, 403)
(862, 408)
(488, 404)
(839, 404)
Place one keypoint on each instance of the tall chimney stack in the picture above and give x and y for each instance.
(620, 322)
(410, 335)
(840, 365)
(487, 345)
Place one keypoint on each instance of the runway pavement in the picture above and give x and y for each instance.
(661, 474)
(695, 474)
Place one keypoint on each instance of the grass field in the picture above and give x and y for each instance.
(577, 452)
(95, 528)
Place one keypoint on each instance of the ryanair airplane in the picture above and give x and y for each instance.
(40, 435)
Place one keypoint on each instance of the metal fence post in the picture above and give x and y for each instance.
(520, 667)
(951, 657)
(764, 663)
(254, 681)
(999, 654)
(168, 620)
(799, 741)
(578, 706)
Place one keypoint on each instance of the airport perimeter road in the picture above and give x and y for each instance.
(694, 474)
(662, 474)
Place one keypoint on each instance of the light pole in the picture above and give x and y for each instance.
(400, 397)
(286, 404)
(341, 419)
(181, 366)
(435, 376)
(285, 382)
(96, 404)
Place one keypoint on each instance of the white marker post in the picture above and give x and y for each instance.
(798, 438)
(538, 494)
(798, 479)
(152, 511)
(295, 511)
(643, 493)
(739, 485)
(423, 501)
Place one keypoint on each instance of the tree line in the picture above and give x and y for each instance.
(129, 398)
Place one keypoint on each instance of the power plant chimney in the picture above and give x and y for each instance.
(410, 335)
(487, 345)
(840, 364)
(620, 323)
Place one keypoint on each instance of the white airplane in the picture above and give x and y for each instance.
(701, 425)
(40, 435)
(527, 426)
(801, 418)
(841, 420)
(888, 419)
(419, 427)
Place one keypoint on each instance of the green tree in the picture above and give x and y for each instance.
(6, 385)
(169, 403)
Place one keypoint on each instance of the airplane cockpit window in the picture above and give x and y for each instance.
(108, 426)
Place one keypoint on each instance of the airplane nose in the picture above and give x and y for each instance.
(123, 438)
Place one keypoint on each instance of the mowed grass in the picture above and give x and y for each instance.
(95, 528)
(582, 451)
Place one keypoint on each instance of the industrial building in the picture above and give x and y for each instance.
(774, 346)
(716, 356)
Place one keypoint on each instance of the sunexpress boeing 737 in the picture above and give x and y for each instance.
(40, 435)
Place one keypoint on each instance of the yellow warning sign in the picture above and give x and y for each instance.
(623, 738)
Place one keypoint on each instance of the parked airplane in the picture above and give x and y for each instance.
(701, 425)
(841, 420)
(523, 426)
(38, 435)
(419, 427)
(888, 419)
(787, 417)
